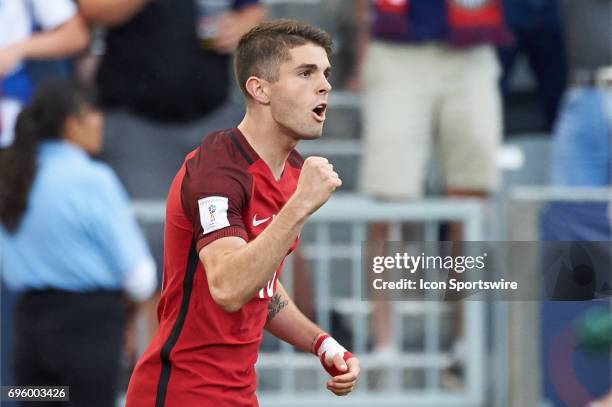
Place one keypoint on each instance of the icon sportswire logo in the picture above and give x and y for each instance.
(257, 222)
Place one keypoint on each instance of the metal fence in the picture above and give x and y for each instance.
(291, 379)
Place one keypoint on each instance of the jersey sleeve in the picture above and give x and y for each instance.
(214, 197)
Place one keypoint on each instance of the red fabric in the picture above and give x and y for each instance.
(318, 342)
(467, 25)
(212, 359)
(392, 6)
(490, 14)
(332, 370)
(329, 369)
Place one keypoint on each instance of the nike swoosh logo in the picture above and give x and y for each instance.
(257, 222)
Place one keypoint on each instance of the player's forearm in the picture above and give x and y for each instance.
(238, 275)
(286, 321)
(236, 271)
(67, 39)
(110, 12)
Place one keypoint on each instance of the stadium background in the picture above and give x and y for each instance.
(512, 349)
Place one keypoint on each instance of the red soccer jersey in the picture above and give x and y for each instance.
(201, 355)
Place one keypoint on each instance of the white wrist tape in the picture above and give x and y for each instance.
(331, 347)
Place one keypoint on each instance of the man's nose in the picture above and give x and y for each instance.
(326, 87)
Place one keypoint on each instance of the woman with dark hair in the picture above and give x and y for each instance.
(71, 248)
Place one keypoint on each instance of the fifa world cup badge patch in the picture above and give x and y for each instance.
(213, 213)
(211, 209)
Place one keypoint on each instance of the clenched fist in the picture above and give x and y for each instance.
(317, 182)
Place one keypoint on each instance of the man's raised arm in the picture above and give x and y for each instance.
(237, 270)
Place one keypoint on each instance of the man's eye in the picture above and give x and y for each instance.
(305, 74)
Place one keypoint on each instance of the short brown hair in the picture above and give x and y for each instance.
(262, 50)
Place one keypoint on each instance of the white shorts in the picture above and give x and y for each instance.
(415, 94)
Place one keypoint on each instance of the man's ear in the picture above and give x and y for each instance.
(258, 89)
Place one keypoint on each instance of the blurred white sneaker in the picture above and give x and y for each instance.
(386, 352)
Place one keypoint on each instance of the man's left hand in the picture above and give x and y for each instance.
(344, 384)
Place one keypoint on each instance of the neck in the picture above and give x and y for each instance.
(271, 142)
(73, 141)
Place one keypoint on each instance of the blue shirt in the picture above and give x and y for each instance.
(581, 153)
(78, 232)
(427, 20)
(531, 13)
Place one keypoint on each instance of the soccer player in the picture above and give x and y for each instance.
(235, 210)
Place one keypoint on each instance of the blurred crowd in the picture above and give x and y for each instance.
(439, 84)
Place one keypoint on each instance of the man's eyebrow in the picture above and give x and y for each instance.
(313, 67)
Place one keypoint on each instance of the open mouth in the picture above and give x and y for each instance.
(319, 111)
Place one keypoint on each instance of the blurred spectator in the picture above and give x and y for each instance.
(429, 71)
(63, 33)
(582, 140)
(71, 248)
(582, 148)
(164, 80)
(163, 86)
(536, 25)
